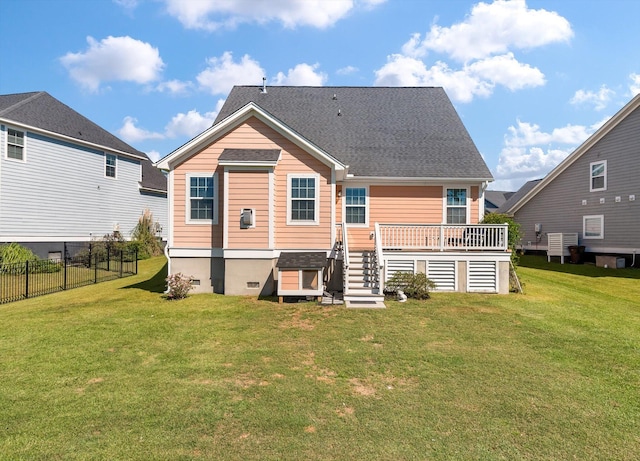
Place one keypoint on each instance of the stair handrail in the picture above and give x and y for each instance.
(345, 258)
(379, 261)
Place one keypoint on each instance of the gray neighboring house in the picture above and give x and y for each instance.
(65, 179)
(494, 199)
(594, 192)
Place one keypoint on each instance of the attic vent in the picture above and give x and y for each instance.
(335, 96)
(264, 85)
(339, 113)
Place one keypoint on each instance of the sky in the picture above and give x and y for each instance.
(530, 79)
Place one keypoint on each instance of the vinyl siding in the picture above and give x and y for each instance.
(248, 189)
(61, 193)
(558, 207)
(253, 134)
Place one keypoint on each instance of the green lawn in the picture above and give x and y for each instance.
(115, 372)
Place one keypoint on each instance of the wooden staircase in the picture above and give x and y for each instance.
(362, 276)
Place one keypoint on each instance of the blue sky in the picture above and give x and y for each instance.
(530, 79)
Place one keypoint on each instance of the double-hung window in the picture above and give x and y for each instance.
(110, 165)
(303, 199)
(201, 199)
(456, 209)
(598, 176)
(355, 207)
(15, 144)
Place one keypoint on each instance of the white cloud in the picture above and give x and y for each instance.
(153, 155)
(222, 73)
(347, 70)
(493, 28)
(215, 14)
(530, 153)
(301, 74)
(191, 123)
(482, 43)
(634, 87)
(598, 99)
(114, 59)
(127, 4)
(131, 133)
(174, 87)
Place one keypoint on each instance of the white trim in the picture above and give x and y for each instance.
(195, 252)
(69, 139)
(252, 164)
(170, 204)
(445, 188)
(316, 213)
(115, 166)
(579, 152)
(366, 203)
(272, 208)
(591, 177)
(401, 180)
(187, 194)
(225, 209)
(251, 109)
(584, 227)
(6, 145)
(301, 291)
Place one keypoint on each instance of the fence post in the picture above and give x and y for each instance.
(136, 261)
(121, 261)
(108, 258)
(95, 268)
(64, 279)
(26, 278)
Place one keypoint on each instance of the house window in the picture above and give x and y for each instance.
(201, 199)
(303, 199)
(457, 206)
(355, 205)
(110, 165)
(593, 227)
(598, 176)
(15, 144)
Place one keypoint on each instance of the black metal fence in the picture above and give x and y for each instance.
(90, 264)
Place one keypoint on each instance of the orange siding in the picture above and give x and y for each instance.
(475, 204)
(398, 205)
(253, 134)
(289, 280)
(248, 189)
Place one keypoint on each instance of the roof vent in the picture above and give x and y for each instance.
(339, 113)
(335, 96)
(264, 85)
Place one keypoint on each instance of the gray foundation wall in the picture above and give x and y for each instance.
(249, 277)
(207, 272)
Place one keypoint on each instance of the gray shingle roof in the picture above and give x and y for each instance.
(249, 155)
(494, 199)
(41, 110)
(515, 197)
(377, 131)
(302, 260)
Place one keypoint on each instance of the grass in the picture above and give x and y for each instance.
(114, 371)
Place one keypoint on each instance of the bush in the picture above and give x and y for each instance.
(144, 236)
(413, 285)
(514, 231)
(179, 286)
(14, 256)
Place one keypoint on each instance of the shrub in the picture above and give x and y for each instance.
(14, 256)
(179, 286)
(144, 236)
(413, 285)
(514, 231)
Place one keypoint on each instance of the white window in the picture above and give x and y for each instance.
(457, 206)
(598, 176)
(15, 144)
(593, 227)
(110, 165)
(302, 200)
(355, 205)
(202, 206)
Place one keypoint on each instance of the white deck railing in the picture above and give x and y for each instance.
(442, 237)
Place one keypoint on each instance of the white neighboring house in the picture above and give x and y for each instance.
(65, 179)
(594, 192)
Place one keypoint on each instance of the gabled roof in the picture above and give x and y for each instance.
(41, 111)
(376, 131)
(515, 203)
(494, 199)
(517, 196)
